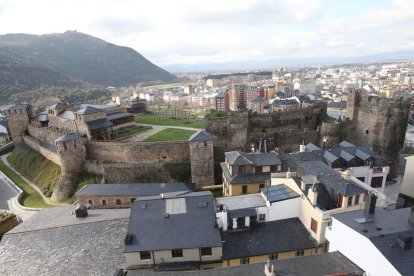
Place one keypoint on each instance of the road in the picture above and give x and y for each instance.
(6, 192)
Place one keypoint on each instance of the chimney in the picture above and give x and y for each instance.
(269, 270)
(370, 204)
(404, 241)
(302, 185)
(313, 195)
(411, 216)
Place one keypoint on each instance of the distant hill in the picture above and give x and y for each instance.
(70, 60)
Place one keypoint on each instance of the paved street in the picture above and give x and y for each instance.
(6, 192)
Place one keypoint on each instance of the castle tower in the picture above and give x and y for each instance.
(18, 119)
(201, 158)
(354, 96)
(72, 153)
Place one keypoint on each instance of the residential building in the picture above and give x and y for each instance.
(237, 97)
(357, 161)
(285, 104)
(259, 105)
(246, 173)
(377, 240)
(406, 195)
(336, 109)
(222, 102)
(173, 231)
(123, 195)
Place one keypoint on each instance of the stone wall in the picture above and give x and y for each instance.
(144, 152)
(18, 121)
(202, 163)
(46, 134)
(289, 141)
(47, 153)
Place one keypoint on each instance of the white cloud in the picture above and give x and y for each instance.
(187, 31)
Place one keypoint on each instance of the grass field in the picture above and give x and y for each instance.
(170, 134)
(163, 121)
(30, 197)
(128, 132)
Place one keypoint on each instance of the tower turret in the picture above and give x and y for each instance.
(18, 119)
(201, 158)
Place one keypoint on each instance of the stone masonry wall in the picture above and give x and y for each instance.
(48, 154)
(202, 163)
(18, 121)
(46, 134)
(145, 152)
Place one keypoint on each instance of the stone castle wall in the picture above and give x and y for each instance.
(289, 141)
(47, 153)
(145, 152)
(18, 121)
(46, 134)
(202, 163)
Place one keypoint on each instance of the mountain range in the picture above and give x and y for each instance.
(70, 60)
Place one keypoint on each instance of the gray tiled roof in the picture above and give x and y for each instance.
(312, 147)
(289, 161)
(235, 158)
(67, 114)
(201, 136)
(152, 231)
(19, 106)
(332, 263)
(246, 178)
(391, 224)
(88, 110)
(263, 159)
(68, 137)
(346, 155)
(118, 115)
(262, 239)
(346, 144)
(330, 178)
(337, 105)
(330, 156)
(100, 123)
(362, 155)
(45, 245)
(41, 118)
(138, 189)
(57, 106)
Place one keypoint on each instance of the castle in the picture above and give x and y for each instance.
(77, 140)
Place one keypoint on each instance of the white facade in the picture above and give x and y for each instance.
(369, 173)
(358, 249)
(407, 186)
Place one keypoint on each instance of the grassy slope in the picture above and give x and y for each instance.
(30, 198)
(170, 134)
(163, 121)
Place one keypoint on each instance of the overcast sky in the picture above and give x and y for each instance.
(171, 32)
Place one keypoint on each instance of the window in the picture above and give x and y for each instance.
(367, 131)
(262, 217)
(258, 169)
(244, 260)
(356, 199)
(206, 251)
(273, 168)
(350, 201)
(104, 202)
(90, 202)
(177, 253)
(132, 200)
(261, 186)
(145, 255)
(118, 202)
(273, 256)
(314, 225)
(300, 252)
(241, 169)
(244, 189)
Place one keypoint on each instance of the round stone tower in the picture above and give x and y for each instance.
(72, 154)
(201, 158)
(18, 119)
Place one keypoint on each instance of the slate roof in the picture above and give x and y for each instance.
(235, 158)
(201, 136)
(118, 115)
(41, 118)
(332, 263)
(100, 123)
(346, 155)
(258, 100)
(57, 106)
(289, 161)
(65, 246)
(312, 147)
(68, 137)
(285, 102)
(346, 144)
(391, 223)
(263, 159)
(151, 231)
(329, 178)
(337, 105)
(246, 178)
(242, 201)
(67, 114)
(88, 110)
(266, 238)
(137, 189)
(19, 106)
